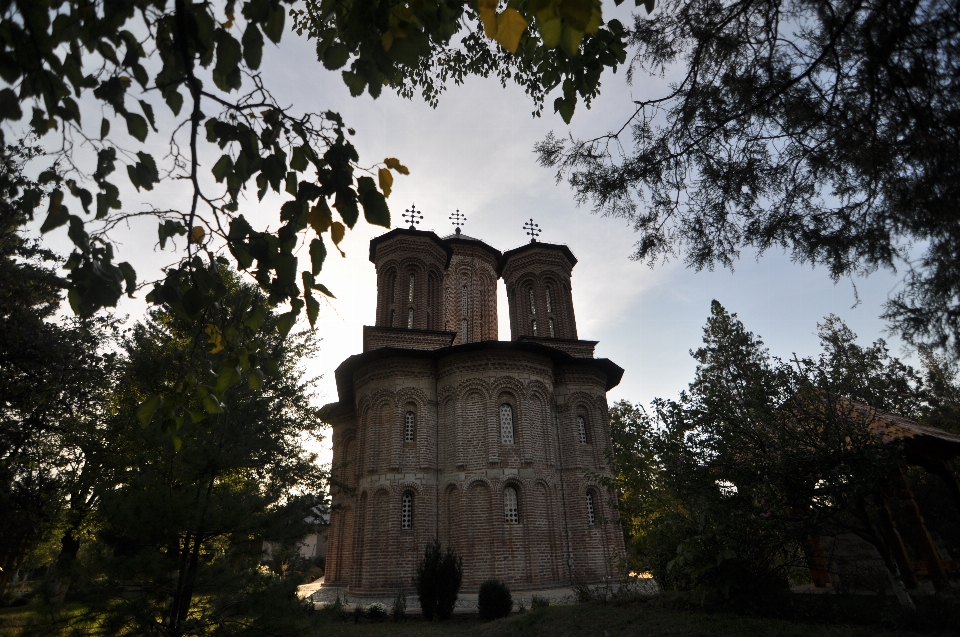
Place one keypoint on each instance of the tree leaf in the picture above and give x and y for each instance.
(147, 408)
(148, 111)
(385, 177)
(488, 16)
(394, 163)
(318, 252)
(129, 276)
(322, 288)
(104, 128)
(273, 29)
(252, 46)
(255, 379)
(337, 231)
(136, 126)
(197, 234)
(510, 26)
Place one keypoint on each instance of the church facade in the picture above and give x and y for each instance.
(443, 431)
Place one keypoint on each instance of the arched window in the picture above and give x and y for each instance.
(406, 511)
(591, 516)
(506, 424)
(464, 301)
(533, 305)
(552, 334)
(393, 314)
(511, 513)
(582, 429)
(409, 427)
(464, 337)
(393, 288)
(410, 319)
(549, 304)
(410, 293)
(534, 328)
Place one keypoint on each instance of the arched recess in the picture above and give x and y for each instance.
(434, 311)
(535, 440)
(449, 431)
(474, 434)
(382, 536)
(478, 563)
(543, 529)
(357, 556)
(450, 519)
(388, 294)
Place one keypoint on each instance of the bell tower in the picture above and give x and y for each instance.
(537, 276)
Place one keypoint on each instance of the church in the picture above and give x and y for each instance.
(443, 431)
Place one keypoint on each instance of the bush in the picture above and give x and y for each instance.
(494, 600)
(399, 610)
(438, 580)
(539, 602)
(376, 612)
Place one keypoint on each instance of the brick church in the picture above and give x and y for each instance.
(442, 430)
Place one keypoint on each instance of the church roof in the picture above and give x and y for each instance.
(396, 232)
(460, 238)
(345, 371)
(533, 245)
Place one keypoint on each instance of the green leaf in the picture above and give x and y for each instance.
(318, 252)
(313, 308)
(129, 276)
(136, 126)
(226, 73)
(335, 56)
(57, 213)
(273, 29)
(174, 100)
(9, 105)
(104, 128)
(147, 408)
(229, 375)
(375, 209)
(255, 379)
(177, 443)
(298, 159)
(222, 167)
(285, 323)
(252, 46)
(565, 107)
(148, 111)
(211, 405)
(320, 287)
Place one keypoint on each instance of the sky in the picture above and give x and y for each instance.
(474, 153)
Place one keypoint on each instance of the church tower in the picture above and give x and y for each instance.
(538, 276)
(470, 289)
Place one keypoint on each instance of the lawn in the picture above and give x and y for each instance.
(636, 619)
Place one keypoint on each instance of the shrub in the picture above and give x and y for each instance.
(376, 612)
(494, 600)
(399, 610)
(438, 580)
(538, 602)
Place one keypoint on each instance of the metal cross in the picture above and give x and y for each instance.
(533, 230)
(412, 216)
(458, 219)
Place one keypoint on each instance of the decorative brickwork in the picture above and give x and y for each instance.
(421, 447)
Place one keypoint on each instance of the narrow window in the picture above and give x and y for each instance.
(410, 319)
(393, 314)
(409, 427)
(406, 511)
(552, 334)
(511, 515)
(410, 293)
(533, 306)
(582, 429)
(549, 305)
(506, 424)
(463, 332)
(591, 516)
(463, 300)
(534, 328)
(393, 289)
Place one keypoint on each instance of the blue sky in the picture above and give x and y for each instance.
(475, 153)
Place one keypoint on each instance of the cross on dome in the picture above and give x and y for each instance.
(533, 230)
(412, 216)
(458, 219)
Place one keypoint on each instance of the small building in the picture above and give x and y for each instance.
(443, 431)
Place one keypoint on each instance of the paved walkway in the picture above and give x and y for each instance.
(466, 603)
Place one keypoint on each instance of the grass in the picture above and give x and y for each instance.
(634, 619)
(606, 620)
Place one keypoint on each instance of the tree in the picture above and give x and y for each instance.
(759, 457)
(200, 61)
(54, 376)
(438, 579)
(824, 128)
(181, 525)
